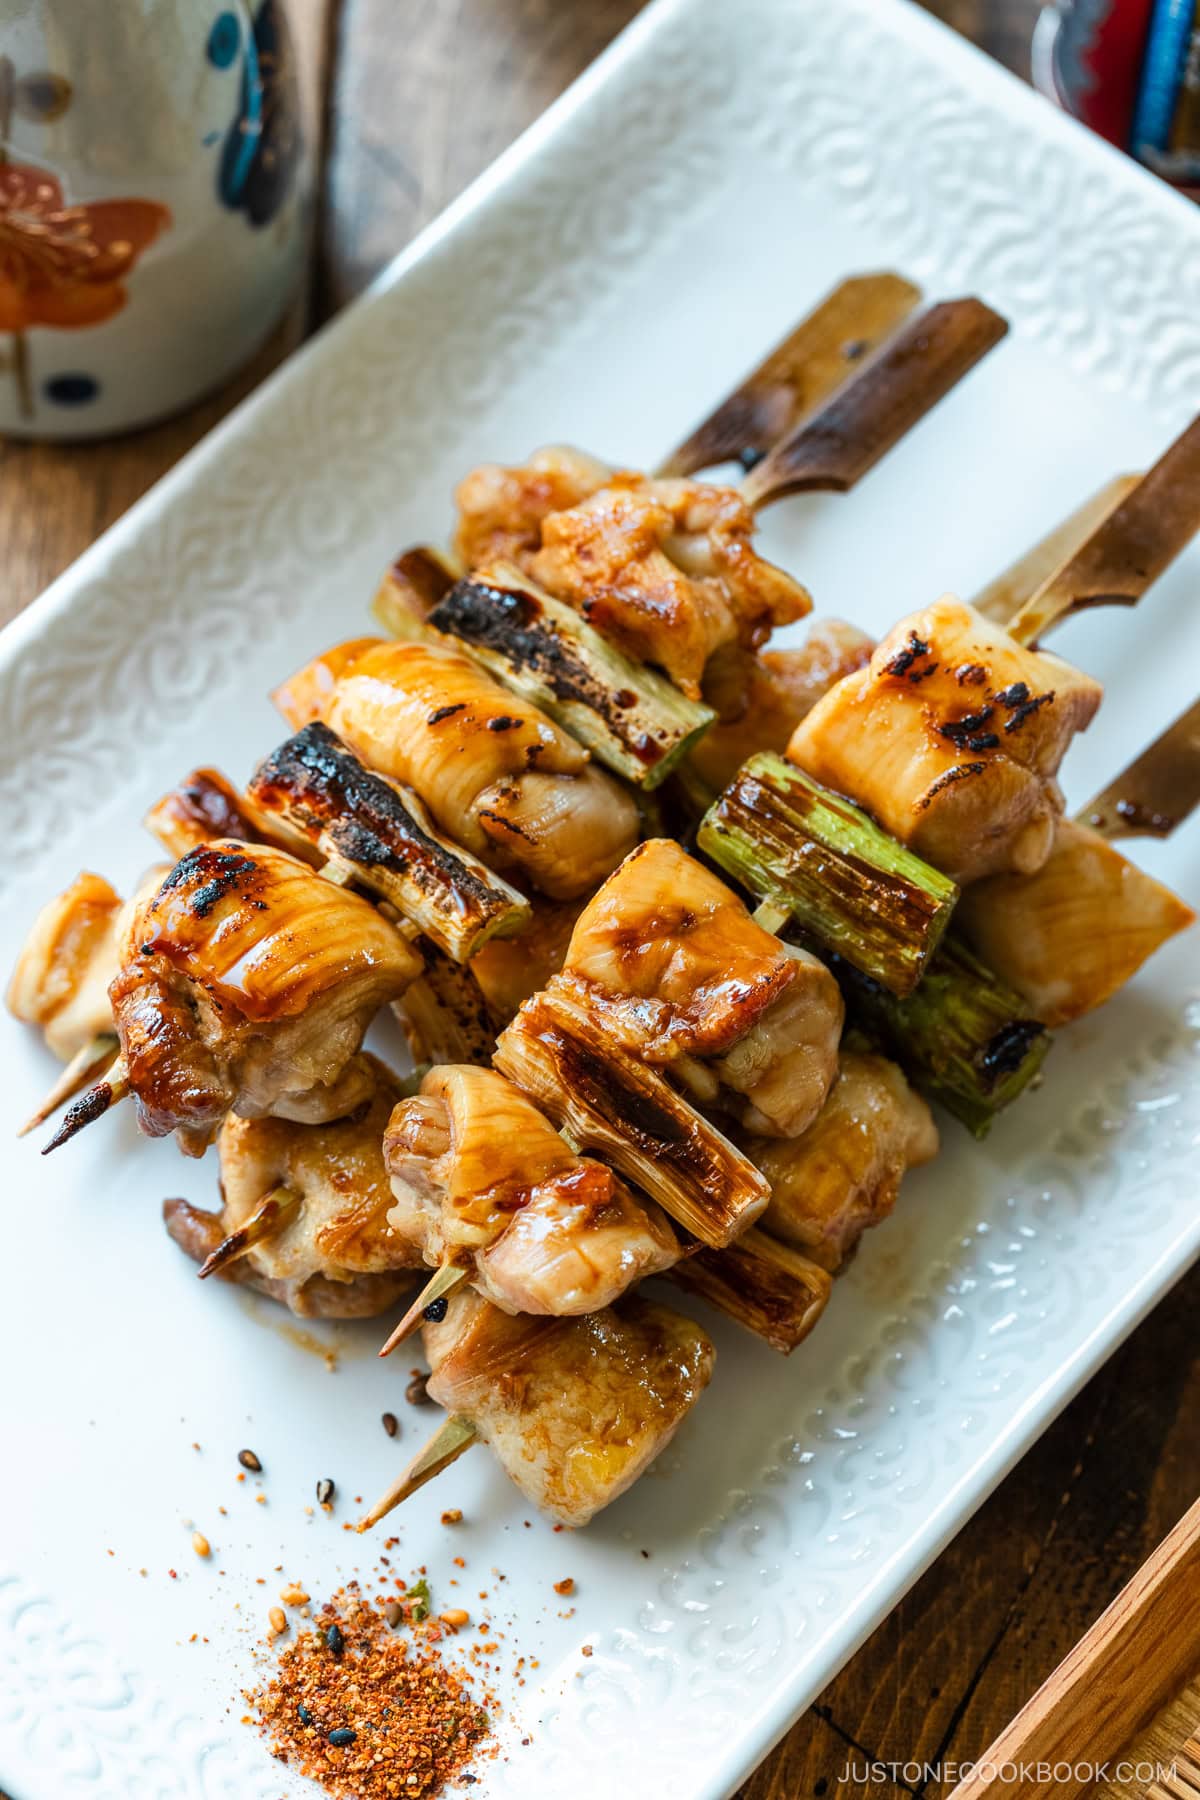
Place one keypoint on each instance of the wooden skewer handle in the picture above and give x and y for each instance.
(874, 409)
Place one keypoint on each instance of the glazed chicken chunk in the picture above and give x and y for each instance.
(573, 1409)
(761, 696)
(843, 1174)
(501, 510)
(1068, 937)
(666, 569)
(60, 982)
(952, 736)
(246, 983)
(334, 1254)
(481, 1177)
(670, 959)
(497, 775)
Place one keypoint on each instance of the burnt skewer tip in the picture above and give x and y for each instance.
(91, 1106)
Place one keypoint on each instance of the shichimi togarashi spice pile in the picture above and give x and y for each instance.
(370, 1713)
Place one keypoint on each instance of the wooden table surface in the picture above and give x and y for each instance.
(411, 98)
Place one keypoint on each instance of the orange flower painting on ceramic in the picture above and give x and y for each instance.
(62, 265)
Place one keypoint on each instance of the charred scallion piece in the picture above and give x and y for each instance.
(851, 887)
(412, 587)
(767, 1287)
(962, 1037)
(381, 835)
(608, 1102)
(628, 715)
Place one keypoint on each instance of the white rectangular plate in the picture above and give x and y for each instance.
(714, 175)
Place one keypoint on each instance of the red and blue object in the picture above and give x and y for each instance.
(1130, 69)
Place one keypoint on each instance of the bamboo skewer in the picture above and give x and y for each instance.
(93, 1105)
(1003, 597)
(1130, 548)
(441, 1283)
(811, 363)
(872, 411)
(94, 1057)
(453, 1437)
(272, 1215)
(1158, 790)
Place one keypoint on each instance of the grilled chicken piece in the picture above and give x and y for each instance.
(500, 511)
(574, 1409)
(60, 981)
(761, 696)
(843, 1174)
(198, 1233)
(1068, 937)
(671, 961)
(246, 983)
(204, 806)
(481, 1177)
(509, 970)
(667, 570)
(335, 1255)
(496, 774)
(62, 975)
(952, 736)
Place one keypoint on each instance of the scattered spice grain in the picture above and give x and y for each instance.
(415, 1393)
(325, 1492)
(293, 1594)
(566, 1586)
(452, 1516)
(277, 1620)
(388, 1718)
(391, 1424)
(249, 1461)
(200, 1544)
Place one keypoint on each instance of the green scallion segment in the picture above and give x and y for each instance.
(962, 1037)
(851, 888)
(627, 714)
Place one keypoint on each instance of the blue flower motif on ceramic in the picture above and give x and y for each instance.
(75, 389)
(224, 40)
(263, 144)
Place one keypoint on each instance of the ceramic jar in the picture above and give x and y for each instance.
(152, 188)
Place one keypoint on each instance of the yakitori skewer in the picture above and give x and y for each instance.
(497, 776)
(628, 714)
(811, 363)
(487, 1191)
(380, 834)
(666, 975)
(304, 1210)
(245, 983)
(606, 596)
(573, 1409)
